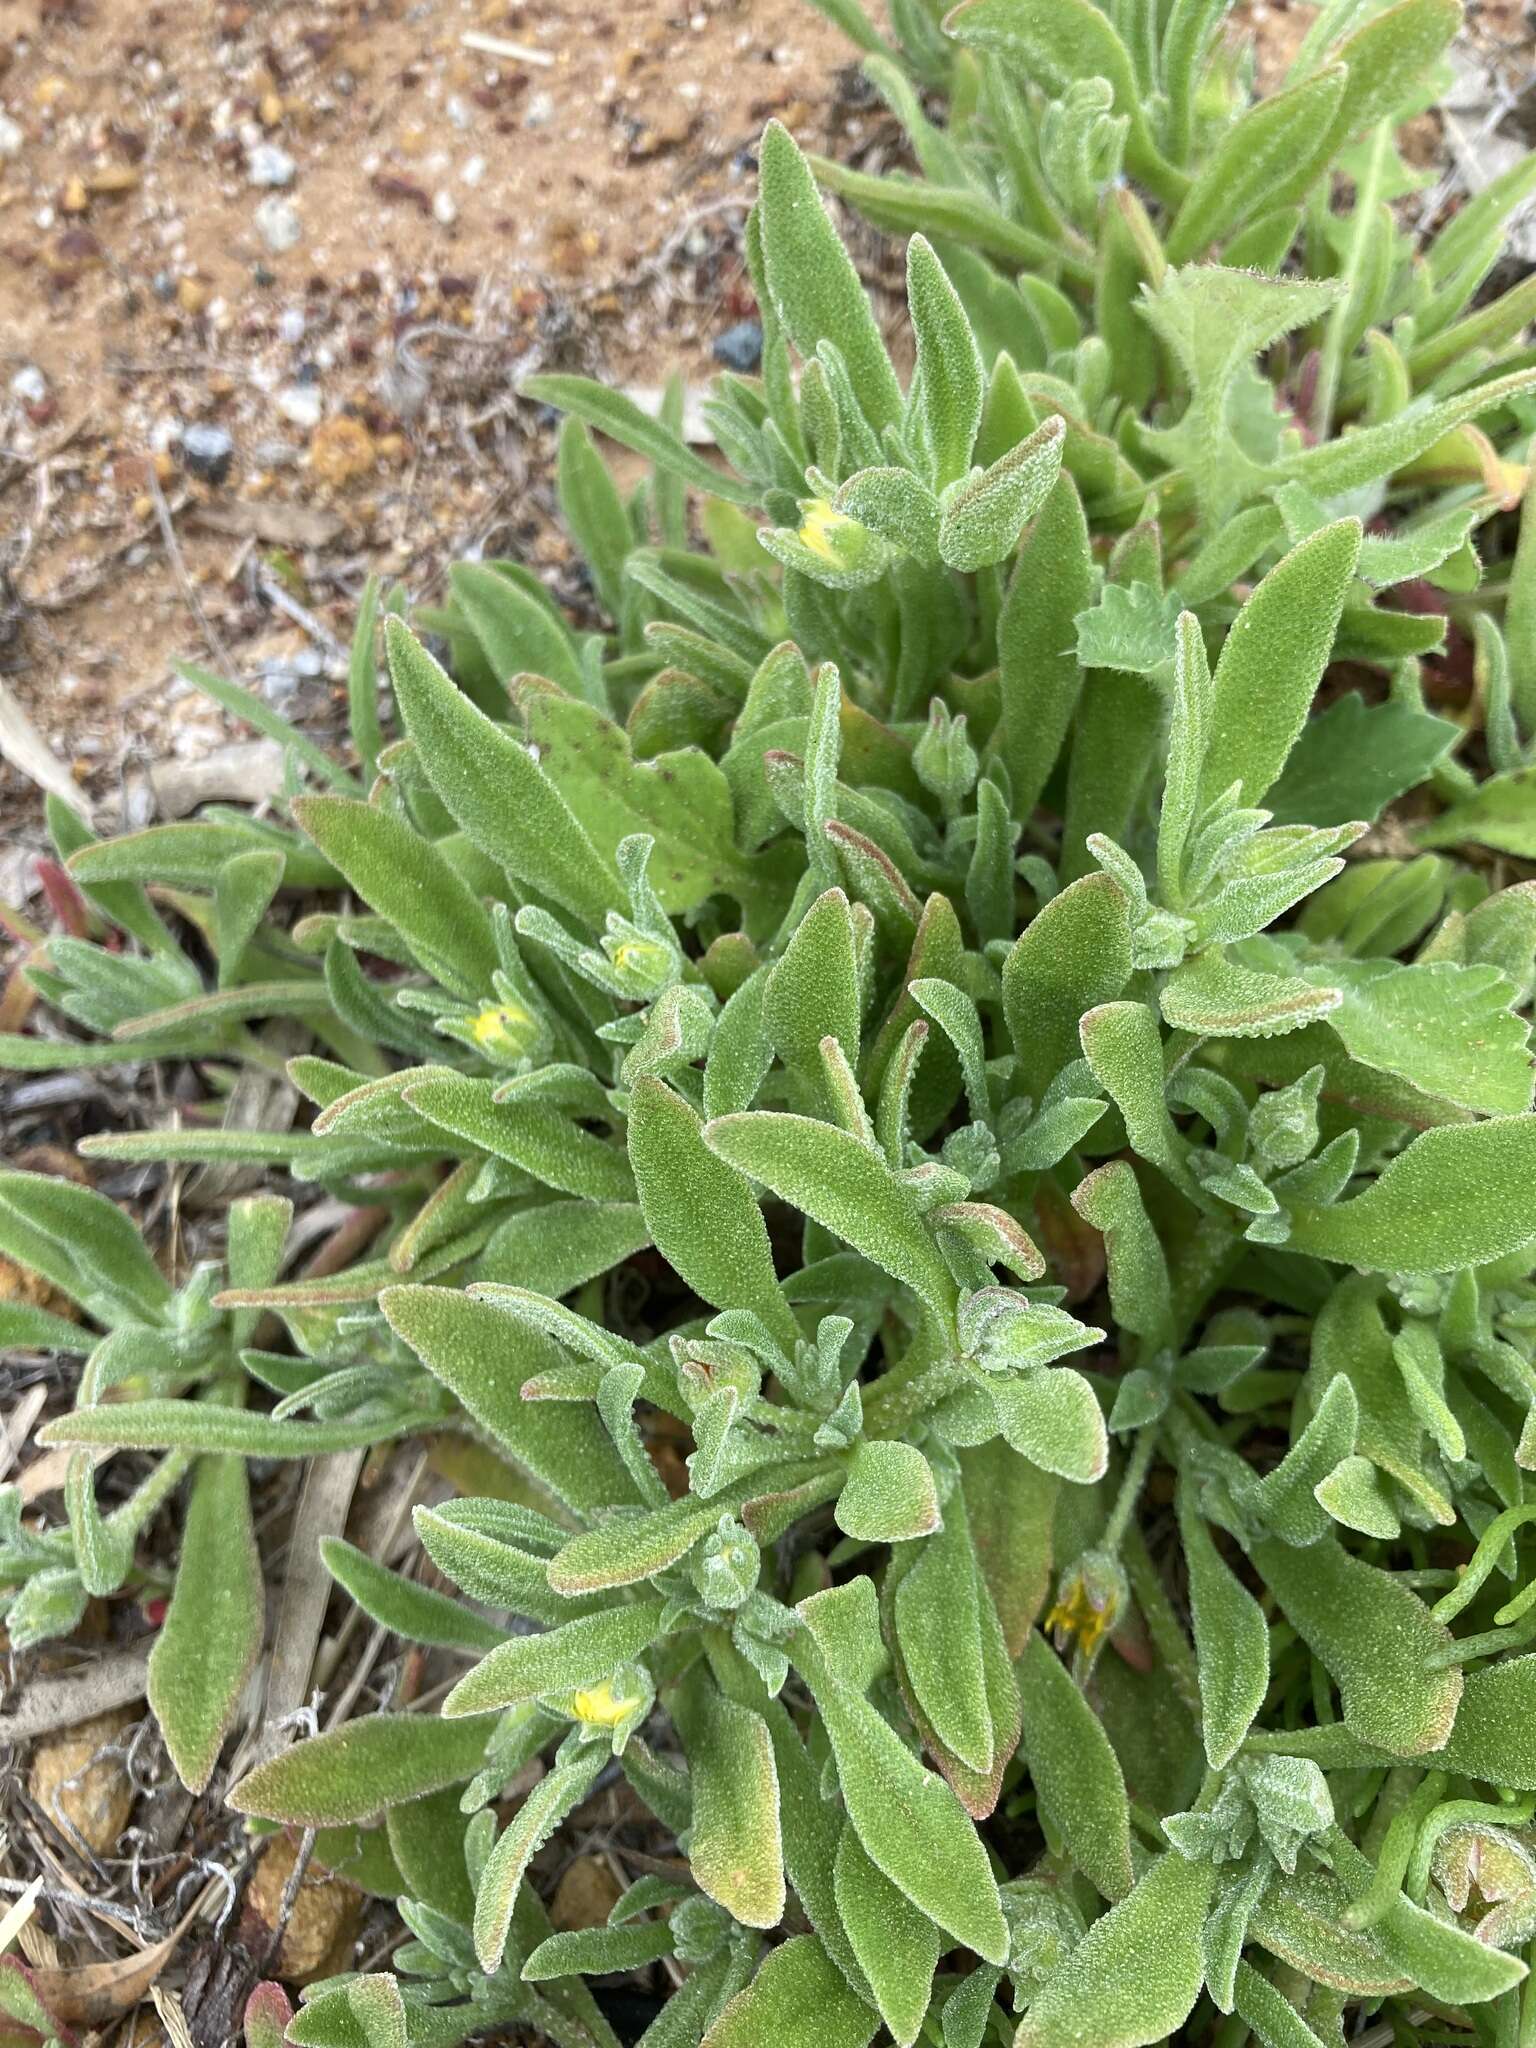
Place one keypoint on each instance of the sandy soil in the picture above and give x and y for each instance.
(470, 188)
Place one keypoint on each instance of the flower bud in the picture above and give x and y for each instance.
(725, 1566)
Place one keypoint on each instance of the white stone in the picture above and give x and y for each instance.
(269, 165)
(301, 404)
(278, 224)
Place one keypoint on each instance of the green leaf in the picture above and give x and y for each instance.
(1231, 1639)
(562, 1245)
(484, 1356)
(1273, 660)
(1038, 674)
(83, 1245)
(1134, 1977)
(681, 799)
(1368, 453)
(947, 380)
(889, 1495)
(190, 856)
(1461, 1195)
(1389, 58)
(938, 1629)
(211, 1635)
(1058, 41)
(897, 1946)
(1354, 759)
(1267, 158)
(812, 279)
(1500, 813)
(985, 515)
(798, 1999)
(579, 1653)
(241, 896)
(543, 1140)
(403, 877)
(517, 634)
(164, 1423)
(1374, 1636)
(1124, 1047)
(255, 711)
(1075, 1771)
(844, 1186)
(813, 992)
(1010, 1507)
(426, 1838)
(623, 1552)
(24, 1328)
(598, 1951)
(541, 1812)
(597, 405)
(1450, 1030)
(1214, 996)
(594, 511)
(479, 1545)
(1494, 1737)
(353, 1772)
(1132, 628)
(494, 789)
(1073, 955)
(734, 1852)
(418, 1614)
(910, 1823)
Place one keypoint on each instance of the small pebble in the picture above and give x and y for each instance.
(540, 110)
(291, 324)
(301, 403)
(267, 164)
(11, 136)
(29, 386)
(278, 225)
(740, 347)
(207, 452)
(472, 170)
(444, 210)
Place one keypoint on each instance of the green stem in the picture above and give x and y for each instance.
(145, 1501)
(1163, 1625)
(1135, 1478)
(1396, 1853)
(1363, 223)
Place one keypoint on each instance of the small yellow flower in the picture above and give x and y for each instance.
(599, 1707)
(820, 528)
(507, 1028)
(640, 956)
(1089, 1602)
(1076, 1616)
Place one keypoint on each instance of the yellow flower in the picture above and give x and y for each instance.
(1089, 1601)
(506, 1029)
(599, 1707)
(1076, 1616)
(641, 956)
(820, 527)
